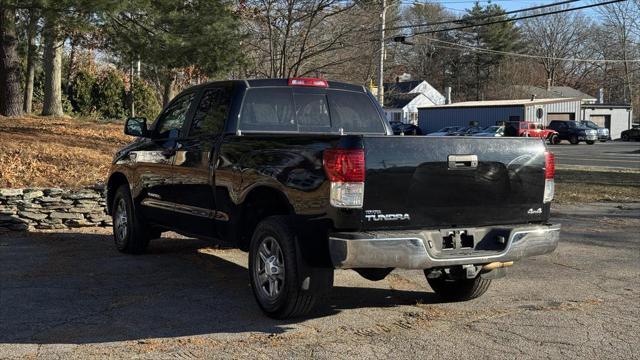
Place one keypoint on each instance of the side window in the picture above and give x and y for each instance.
(173, 118)
(211, 112)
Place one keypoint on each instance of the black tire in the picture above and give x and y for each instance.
(554, 139)
(459, 289)
(130, 234)
(374, 274)
(289, 299)
(574, 140)
(625, 137)
(590, 142)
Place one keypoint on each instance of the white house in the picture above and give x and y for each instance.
(403, 98)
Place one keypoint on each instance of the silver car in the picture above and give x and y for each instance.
(491, 131)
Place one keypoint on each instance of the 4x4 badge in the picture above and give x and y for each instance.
(534, 212)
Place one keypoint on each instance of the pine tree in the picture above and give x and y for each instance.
(497, 37)
(10, 104)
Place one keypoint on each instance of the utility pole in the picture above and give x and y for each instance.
(381, 64)
(132, 108)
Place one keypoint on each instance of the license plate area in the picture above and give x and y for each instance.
(467, 242)
(458, 239)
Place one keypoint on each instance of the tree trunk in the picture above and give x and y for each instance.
(9, 65)
(31, 68)
(52, 105)
(167, 94)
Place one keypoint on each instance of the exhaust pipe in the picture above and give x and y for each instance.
(497, 265)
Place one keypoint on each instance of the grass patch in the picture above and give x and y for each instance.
(591, 185)
(56, 152)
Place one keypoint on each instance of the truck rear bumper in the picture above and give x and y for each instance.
(423, 249)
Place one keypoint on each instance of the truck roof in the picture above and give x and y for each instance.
(282, 82)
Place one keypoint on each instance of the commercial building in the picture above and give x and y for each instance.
(616, 118)
(487, 113)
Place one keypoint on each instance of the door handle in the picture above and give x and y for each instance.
(462, 162)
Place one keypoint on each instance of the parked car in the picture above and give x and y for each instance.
(631, 134)
(573, 131)
(603, 132)
(466, 131)
(531, 129)
(268, 166)
(491, 131)
(400, 128)
(445, 131)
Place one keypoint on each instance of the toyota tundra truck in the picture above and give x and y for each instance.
(305, 175)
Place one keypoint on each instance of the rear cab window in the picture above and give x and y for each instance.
(308, 110)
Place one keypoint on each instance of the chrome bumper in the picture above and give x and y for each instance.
(416, 250)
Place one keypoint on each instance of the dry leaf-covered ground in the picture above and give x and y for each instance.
(56, 152)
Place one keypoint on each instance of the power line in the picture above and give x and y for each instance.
(458, 21)
(506, 53)
(517, 18)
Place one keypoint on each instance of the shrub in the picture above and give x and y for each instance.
(81, 92)
(109, 95)
(146, 100)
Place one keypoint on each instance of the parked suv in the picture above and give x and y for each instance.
(305, 175)
(603, 132)
(573, 131)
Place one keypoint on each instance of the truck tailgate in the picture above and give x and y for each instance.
(422, 182)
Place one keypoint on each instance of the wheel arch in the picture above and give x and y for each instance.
(260, 203)
(116, 180)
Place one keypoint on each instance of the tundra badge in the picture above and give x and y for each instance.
(377, 215)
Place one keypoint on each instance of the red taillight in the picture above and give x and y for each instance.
(308, 82)
(549, 165)
(344, 165)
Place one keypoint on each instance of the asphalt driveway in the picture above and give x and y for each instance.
(71, 295)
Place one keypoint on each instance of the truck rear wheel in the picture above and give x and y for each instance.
(459, 289)
(131, 235)
(283, 284)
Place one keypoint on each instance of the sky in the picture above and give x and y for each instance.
(459, 6)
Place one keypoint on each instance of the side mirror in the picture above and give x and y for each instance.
(136, 126)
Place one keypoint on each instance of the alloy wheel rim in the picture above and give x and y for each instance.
(269, 269)
(121, 221)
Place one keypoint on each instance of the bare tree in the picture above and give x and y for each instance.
(296, 38)
(556, 37)
(618, 20)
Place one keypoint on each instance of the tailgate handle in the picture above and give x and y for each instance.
(463, 162)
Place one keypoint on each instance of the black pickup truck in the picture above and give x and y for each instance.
(306, 176)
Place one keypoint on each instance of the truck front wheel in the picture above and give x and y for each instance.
(574, 140)
(130, 233)
(459, 289)
(283, 284)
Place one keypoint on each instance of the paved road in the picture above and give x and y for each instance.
(71, 295)
(610, 154)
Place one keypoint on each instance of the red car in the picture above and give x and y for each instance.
(531, 129)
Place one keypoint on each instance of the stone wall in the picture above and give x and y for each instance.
(29, 209)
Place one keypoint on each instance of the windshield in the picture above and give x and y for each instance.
(290, 109)
(492, 129)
